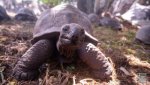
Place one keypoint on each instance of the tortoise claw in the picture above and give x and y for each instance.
(103, 75)
(21, 74)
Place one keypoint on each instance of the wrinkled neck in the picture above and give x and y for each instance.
(67, 51)
(58, 45)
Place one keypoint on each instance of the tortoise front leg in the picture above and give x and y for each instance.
(96, 60)
(28, 65)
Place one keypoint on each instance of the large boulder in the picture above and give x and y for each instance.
(3, 14)
(138, 15)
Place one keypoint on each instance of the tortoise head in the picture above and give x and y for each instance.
(71, 35)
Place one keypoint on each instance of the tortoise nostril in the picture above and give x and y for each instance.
(120, 29)
(75, 37)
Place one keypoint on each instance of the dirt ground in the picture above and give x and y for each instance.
(131, 60)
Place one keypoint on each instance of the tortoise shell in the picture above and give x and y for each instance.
(25, 14)
(50, 22)
(143, 35)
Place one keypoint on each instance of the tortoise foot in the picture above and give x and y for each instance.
(24, 74)
(104, 76)
(101, 66)
(27, 68)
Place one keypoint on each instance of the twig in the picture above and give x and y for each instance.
(1, 73)
(74, 80)
(125, 71)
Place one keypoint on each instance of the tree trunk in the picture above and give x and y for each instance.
(86, 6)
(144, 2)
(121, 6)
(102, 6)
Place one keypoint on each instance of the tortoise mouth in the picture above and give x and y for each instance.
(65, 40)
(71, 40)
(68, 41)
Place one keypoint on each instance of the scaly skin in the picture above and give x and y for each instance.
(96, 60)
(28, 65)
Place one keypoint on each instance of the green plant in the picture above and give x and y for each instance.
(51, 2)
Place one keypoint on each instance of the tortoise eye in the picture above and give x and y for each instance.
(66, 28)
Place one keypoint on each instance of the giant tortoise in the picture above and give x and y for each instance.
(94, 19)
(25, 14)
(143, 35)
(64, 32)
(110, 21)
